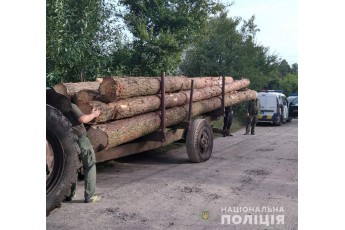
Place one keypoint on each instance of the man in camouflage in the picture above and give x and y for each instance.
(253, 111)
(87, 155)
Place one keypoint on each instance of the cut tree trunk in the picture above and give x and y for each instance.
(112, 89)
(83, 100)
(139, 105)
(70, 89)
(105, 136)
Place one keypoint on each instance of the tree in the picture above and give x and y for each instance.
(215, 50)
(294, 69)
(249, 29)
(78, 35)
(289, 84)
(284, 68)
(162, 30)
(223, 49)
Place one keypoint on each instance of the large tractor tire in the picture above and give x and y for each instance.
(199, 141)
(62, 162)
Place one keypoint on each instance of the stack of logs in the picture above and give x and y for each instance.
(131, 106)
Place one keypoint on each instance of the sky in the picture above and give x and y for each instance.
(277, 21)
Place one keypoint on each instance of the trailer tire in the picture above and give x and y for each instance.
(199, 141)
(63, 149)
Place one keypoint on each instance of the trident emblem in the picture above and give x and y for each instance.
(204, 215)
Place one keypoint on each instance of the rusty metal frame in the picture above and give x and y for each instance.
(138, 146)
(190, 104)
(223, 95)
(163, 116)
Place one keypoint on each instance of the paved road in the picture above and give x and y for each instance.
(246, 177)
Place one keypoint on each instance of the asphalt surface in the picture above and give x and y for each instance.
(249, 177)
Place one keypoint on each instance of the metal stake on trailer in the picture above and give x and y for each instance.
(214, 115)
(190, 104)
(223, 95)
(219, 112)
(163, 125)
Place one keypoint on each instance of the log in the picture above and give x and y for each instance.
(70, 89)
(117, 88)
(133, 106)
(83, 98)
(139, 105)
(112, 89)
(105, 136)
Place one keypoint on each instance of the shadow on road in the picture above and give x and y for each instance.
(152, 157)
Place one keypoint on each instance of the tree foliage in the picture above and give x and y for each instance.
(284, 68)
(194, 38)
(228, 49)
(78, 33)
(162, 30)
(294, 68)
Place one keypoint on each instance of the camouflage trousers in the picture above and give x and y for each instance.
(251, 123)
(88, 158)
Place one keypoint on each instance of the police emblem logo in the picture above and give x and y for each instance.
(204, 215)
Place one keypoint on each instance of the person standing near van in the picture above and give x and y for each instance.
(253, 111)
(228, 114)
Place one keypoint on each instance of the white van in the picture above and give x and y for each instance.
(273, 108)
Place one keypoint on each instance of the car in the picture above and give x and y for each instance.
(290, 98)
(293, 106)
(273, 107)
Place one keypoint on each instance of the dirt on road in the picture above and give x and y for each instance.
(250, 182)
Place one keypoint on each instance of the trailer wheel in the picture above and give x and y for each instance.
(199, 141)
(62, 152)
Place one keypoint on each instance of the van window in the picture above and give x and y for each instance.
(263, 100)
(268, 102)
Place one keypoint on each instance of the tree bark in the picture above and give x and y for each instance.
(139, 105)
(105, 136)
(70, 89)
(112, 89)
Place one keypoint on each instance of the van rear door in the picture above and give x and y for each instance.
(268, 106)
(268, 103)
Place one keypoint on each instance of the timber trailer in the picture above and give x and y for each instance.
(62, 148)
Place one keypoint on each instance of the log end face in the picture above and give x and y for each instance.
(84, 96)
(98, 138)
(61, 88)
(107, 90)
(85, 108)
